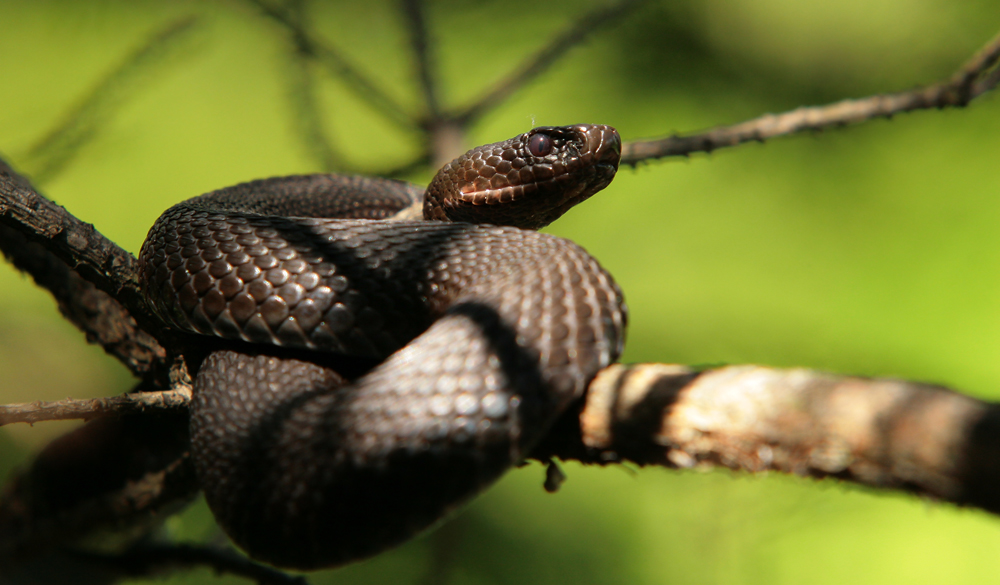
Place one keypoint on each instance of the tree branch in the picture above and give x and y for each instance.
(880, 433)
(336, 64)
(541, 61)
(413, 10)
(76, 243)
(124, 476)
(69, 409)
(886, 434)
(978, 76)
(57, 148)
(146, 560)
(41, 239)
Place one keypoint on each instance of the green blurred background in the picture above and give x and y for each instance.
(872, 250)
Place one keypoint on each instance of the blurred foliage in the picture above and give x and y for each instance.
(871, 250)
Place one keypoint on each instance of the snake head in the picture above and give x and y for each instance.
(527, 181)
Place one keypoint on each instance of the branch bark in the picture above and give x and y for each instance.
(881, 433)
(115, 476)
(91, 278)
(77, 244)
(87, 409)
(976, 77)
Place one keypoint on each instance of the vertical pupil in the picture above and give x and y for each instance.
(539, 145)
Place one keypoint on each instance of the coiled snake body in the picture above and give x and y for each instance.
(480, 335)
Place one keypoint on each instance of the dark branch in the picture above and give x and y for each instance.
(102, 319)
(173, 400)
(44, 240)
(975, 78)
(43, 509)
(413, 10)
(541, 61)
(74, 242)
(336, 64)
(307, 115)
(56, 149)
(886, 434)
(148, 560)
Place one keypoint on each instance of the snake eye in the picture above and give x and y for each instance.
(539, 145)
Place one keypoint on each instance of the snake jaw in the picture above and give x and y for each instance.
(507, 183)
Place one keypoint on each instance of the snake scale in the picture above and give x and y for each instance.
(392, 350)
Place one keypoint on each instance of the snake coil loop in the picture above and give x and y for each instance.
(382, 352)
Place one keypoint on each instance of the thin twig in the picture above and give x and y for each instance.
(973, 79)
(147, 560)
(172, 400)
(413, 10)
(337, 65)
(308, 115)
(57, 148)
(541, 61)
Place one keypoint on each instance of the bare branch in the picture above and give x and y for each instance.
(413, 10)
(541, 61)
(970, 76)
(886, 434)
(83, 248)
(337, 65)
(102, 319)
(308, 117)
(175, 399)
(99, 315)
(147, 560)
(973, 79)
(56, 149)
(123, 475)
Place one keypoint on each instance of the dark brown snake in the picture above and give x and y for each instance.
(409, 361)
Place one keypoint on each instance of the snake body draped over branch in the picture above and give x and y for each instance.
(381, 353)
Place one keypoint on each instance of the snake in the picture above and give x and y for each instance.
(377, 353)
